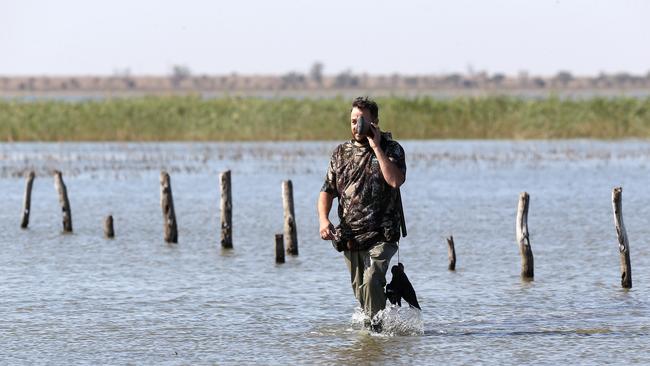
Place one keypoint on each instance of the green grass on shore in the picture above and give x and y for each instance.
(232, 119)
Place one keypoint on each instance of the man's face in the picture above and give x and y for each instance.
(354, 116)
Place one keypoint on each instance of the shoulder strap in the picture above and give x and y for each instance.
(402, 221)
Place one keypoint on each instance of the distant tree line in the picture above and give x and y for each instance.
(182, 79)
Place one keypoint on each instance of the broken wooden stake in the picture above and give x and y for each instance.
(226, 210)
(621, 234)
(63, 200)
(526, 252)
(27, 201)
(108, 227)
(451, 253)
(279, 248)
(167, 205)
(290, 233)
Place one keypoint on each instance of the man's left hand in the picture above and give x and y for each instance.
(376, 136)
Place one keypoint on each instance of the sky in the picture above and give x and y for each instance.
(149, 37)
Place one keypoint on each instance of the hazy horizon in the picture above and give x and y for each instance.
(73, 37)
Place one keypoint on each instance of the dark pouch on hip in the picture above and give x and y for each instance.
(340, 241)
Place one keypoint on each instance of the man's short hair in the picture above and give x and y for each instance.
(365, 103)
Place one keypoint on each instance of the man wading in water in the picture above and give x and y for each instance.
(365, 174)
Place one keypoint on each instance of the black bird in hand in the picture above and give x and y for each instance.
(400, 288)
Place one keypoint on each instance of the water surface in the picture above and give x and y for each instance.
(82, 299)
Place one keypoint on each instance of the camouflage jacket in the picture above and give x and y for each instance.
(368, 207)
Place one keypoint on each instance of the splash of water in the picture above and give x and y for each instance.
(401, 321)
(359, 317)
(396, 321)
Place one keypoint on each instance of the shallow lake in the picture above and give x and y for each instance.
(83, 299)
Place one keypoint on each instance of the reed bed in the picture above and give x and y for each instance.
(192, 118)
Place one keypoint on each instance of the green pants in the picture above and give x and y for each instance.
(368, 275)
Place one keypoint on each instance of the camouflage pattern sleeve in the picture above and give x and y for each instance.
(329, 185)
(395, 153)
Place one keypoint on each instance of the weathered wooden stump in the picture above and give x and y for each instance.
(63, 200)
(621, 233)
(109, 232)
(27, 200)
(279, 248)
(451, 253)
(290, 232)
(167, 205)
(526, 252)
(226, 210)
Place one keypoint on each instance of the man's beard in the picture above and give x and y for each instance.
(360, 139)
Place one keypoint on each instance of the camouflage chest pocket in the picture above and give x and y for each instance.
(374, 164)
(377, 178)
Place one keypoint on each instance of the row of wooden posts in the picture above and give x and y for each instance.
(289, 238)
(526, 252)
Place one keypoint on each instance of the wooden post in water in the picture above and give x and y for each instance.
(226, 210)
(108, 227)
(290, 234)
(27, 201)
(167, 205)
(526, 252)
(451, 253)
(63, 200)
(279, 248)
(621, 233)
